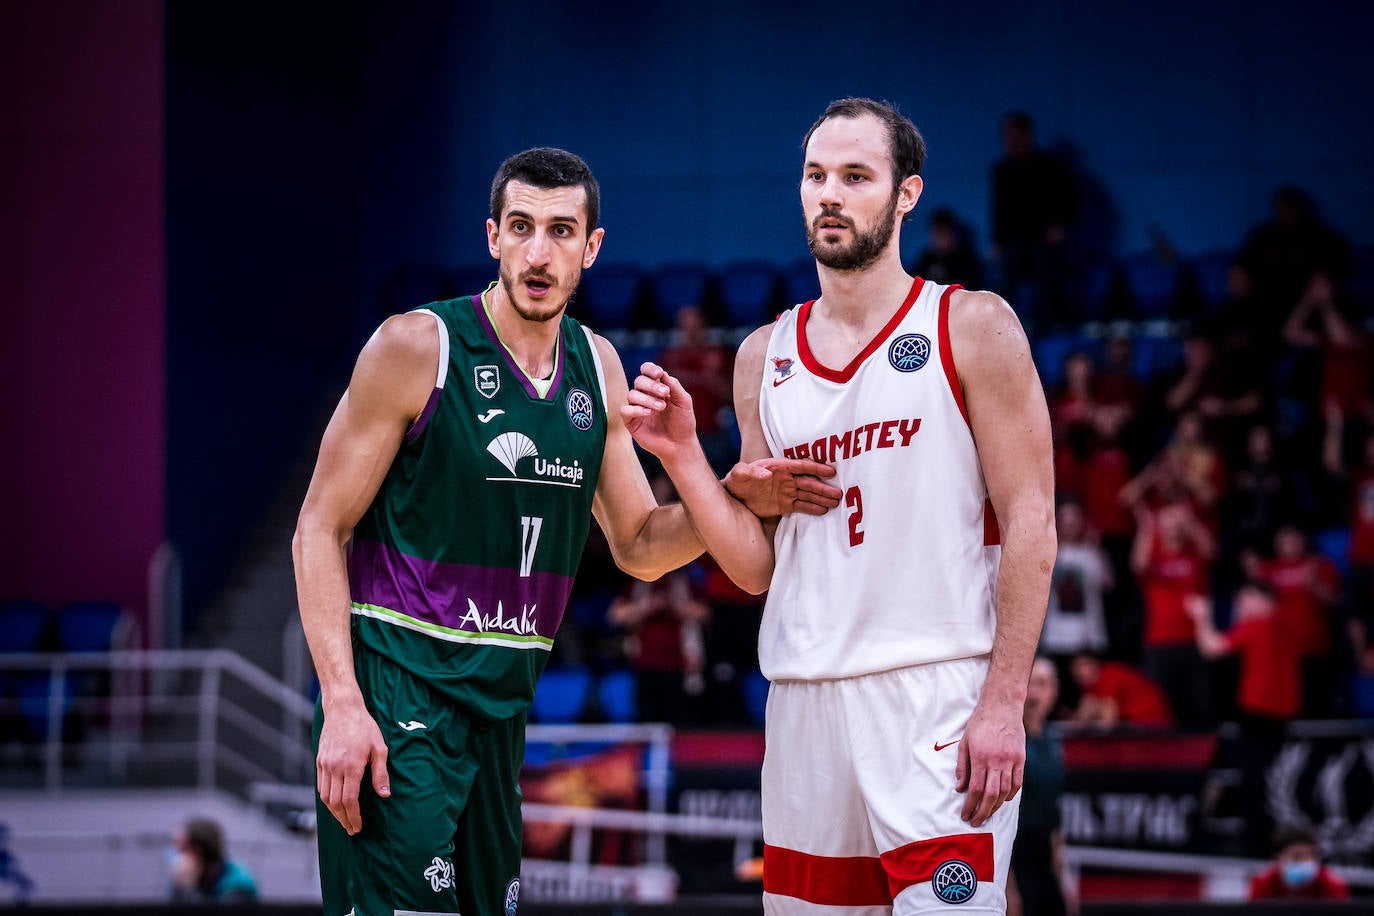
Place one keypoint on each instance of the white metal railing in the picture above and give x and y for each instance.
(262, 751)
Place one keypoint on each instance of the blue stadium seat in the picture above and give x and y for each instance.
(1334, 544)
(1211, 268)
(1152, 282)
(746, 292)
(1155, 356)
(675, 285)
(561, 696)
(1090, 282)
(635, 355)
(88, 626)
(1050, 352)
(755, 690)
(34, 696)
(21, 625)
(609, 295)
(617, 691)
(800, 282)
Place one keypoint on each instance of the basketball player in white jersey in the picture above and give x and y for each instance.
(900, 630)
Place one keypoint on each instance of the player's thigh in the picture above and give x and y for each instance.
(908, 726)
(819, 855)
(487, 843)
(403, 858)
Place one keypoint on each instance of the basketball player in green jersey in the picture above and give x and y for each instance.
(436, 549)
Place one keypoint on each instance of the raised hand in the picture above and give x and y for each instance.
(771, 487)
(350, 741)
(658, 412)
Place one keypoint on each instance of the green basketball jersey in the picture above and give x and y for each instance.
(461, 568)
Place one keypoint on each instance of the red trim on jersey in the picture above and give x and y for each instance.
(947, 352)
(825, 880)
(814, 366)
(992, 532)
(916, 862)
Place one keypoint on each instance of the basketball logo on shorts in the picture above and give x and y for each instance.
(580, 409)
(909, 352)
(512, 896)
(954, 881)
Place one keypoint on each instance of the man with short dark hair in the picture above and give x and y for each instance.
(436, 549)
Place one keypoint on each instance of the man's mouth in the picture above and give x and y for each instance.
(537, 287)
(831, 222)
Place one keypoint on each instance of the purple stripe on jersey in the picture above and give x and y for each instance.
(423, 419)
(519, 373)
(471, 598)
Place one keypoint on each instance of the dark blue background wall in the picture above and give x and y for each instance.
(308, 154)
(1187, 113)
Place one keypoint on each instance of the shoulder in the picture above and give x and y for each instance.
(983, 317)
(755, 346)
(611, 366)
(402, 339)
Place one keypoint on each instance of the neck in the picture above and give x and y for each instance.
(857, 297)
(530, 342)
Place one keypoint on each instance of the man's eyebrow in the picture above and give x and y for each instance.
(521, 214)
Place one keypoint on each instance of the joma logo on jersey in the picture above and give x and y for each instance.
(856, 441)
(511, 448)
(523, 625)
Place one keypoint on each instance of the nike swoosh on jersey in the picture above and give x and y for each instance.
(941, 747)
(490, 414)
(779, 381)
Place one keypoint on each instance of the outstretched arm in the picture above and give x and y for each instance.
(647, 540)
(391, 383)
(1011, 426)
(659, 414)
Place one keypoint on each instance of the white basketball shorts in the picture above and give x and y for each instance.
(860, 813)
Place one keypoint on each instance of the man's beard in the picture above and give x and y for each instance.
(546, 309)
(866, 247)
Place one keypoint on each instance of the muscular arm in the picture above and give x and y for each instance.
(647, 540)
(1011, 426)
(660, 412)
(391, 383)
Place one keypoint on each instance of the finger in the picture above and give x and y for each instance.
(800, 466)
(961, 767)
(977, 779)
(806, 508)
(641, 399)
(321, 781)
(651, 387)
(992, 797)
(334, 801)
(352, 814)
(812, 499)
(1018, 773)
(817, 492)
(381, 781)
(652, 370)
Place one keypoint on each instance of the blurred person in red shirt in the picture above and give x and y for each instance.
(1172, 557)
(706, 369)
(1114, 693)
(1306, 587)
(1297, 872)
(1359, 498)
(1189, 463)
(1326, 322)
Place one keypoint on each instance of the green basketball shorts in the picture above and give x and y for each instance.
(448, 838)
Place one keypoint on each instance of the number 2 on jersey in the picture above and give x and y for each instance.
(529, 539)
(853, 499)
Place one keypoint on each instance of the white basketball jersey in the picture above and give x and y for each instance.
(904, 571)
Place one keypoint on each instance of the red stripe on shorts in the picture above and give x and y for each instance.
(826, 880)
(916, 862)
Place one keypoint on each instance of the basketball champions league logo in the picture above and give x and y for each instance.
(909, 352)
(954, 881)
